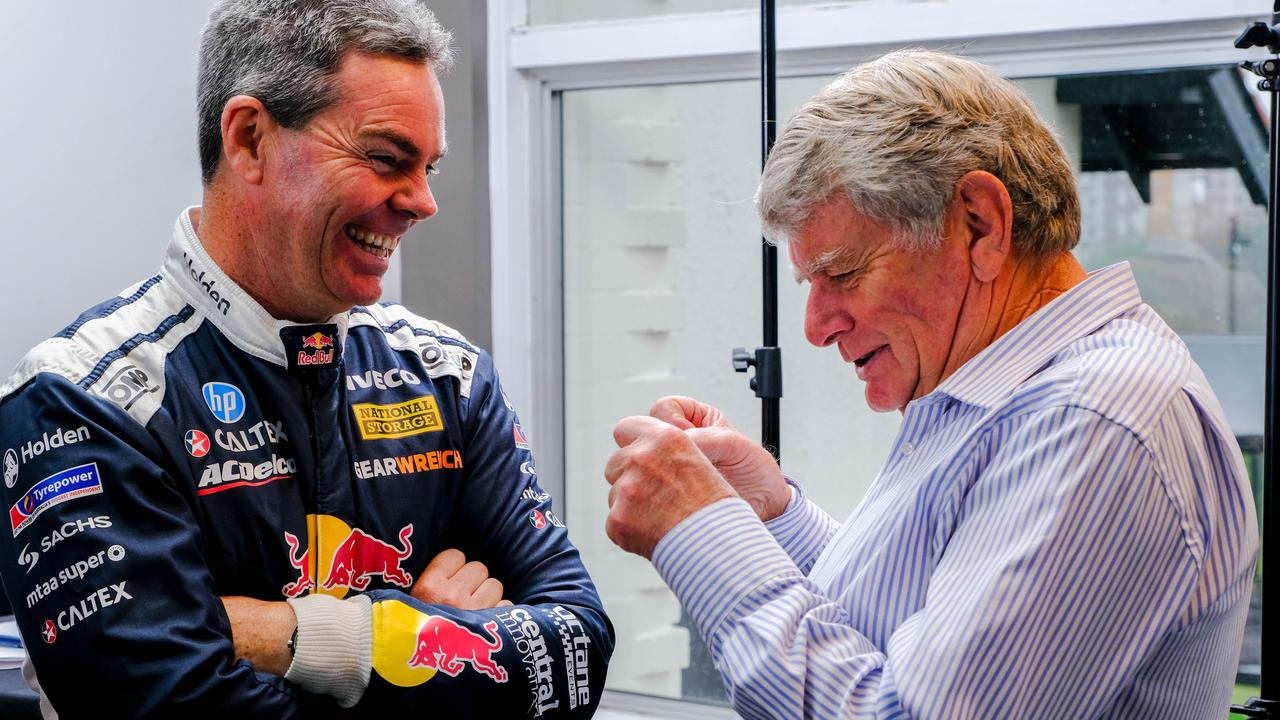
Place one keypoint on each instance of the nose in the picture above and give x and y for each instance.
(825, 320)
(415, 199)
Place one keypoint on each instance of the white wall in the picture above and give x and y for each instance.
(97, 138)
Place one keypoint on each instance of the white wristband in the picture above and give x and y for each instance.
(333, 653)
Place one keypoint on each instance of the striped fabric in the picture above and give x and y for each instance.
(1063, 529)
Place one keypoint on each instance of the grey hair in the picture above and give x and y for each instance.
(895, 135)
(285, 53)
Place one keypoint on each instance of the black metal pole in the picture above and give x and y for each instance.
(1267, 705)
(1270, 671)
(770, 407)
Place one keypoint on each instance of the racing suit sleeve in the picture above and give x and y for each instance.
(103, 562)
(544, 657)
(1028, 612)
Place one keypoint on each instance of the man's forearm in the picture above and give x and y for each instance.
(260, 630)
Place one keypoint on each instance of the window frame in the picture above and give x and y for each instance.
(529, 66)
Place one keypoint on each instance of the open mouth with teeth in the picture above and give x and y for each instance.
(371, 242)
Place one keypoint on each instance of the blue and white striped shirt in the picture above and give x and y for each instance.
(1064, 528)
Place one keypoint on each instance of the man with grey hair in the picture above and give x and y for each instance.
(243, 486)
(1063, 527)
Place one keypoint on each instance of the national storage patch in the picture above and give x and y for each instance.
(58, 488)
(410, 417)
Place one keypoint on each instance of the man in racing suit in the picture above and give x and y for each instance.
(226, 486)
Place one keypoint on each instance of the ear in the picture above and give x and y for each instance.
(986, 214)
(245, 124)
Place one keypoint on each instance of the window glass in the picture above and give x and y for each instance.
(565, 11)
(662, 265)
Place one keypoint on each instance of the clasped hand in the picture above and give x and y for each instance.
(680, 458)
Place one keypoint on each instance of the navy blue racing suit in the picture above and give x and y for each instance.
(177, 444)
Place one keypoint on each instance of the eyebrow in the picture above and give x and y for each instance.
(820, 263)
(405, 145)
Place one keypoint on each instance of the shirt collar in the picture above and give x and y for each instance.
(992, 375)
(241, 319)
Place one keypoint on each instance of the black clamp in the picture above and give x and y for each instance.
(1260, 34)
(768, 364)
(1258, 708)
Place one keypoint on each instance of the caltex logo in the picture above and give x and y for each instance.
(197, 443)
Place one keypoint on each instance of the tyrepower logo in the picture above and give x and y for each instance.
(411, 417)
(233, 474)
(56, 489)
(407, 464)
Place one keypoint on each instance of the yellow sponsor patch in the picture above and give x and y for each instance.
(410, 417)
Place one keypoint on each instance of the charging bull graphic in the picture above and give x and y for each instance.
(301, 563)
(357, 558)
(446, 646)
(361, 556)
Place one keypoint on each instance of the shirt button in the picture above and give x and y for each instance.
(907, 447)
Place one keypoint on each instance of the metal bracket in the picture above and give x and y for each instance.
(1258, 708)
(768, 364)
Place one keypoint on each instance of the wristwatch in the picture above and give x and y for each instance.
(293, 641)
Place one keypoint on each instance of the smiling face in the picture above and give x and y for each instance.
(340, 192)
(893, 313)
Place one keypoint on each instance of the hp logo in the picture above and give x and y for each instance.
(225, 401)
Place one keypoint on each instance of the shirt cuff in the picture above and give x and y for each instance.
(715, 558)
(803, 529)
(333, 652)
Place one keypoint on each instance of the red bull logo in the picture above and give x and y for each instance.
(362, 556)
(317, 342)
(301, 563)
(448, 647)
(357, 558)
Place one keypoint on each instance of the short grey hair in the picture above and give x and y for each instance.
(285, 53)
(895, 135)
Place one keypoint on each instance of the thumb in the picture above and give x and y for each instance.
(722, 446)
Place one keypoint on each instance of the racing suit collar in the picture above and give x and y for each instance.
(237, 315)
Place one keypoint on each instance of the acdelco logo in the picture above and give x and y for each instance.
(232, 474)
